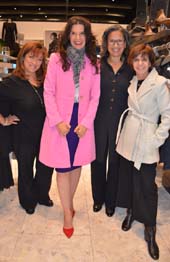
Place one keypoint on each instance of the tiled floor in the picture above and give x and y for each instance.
(97, 238)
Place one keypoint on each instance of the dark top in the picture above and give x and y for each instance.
(139, 83)
(53, 46)
(113, 101)
(5, 131)
(9, 33)
(26, 103)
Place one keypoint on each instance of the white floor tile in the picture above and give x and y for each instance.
(97, 238)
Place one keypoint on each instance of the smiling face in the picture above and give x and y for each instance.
(141, 65)
(116, 44)
(77, 36)
(32, 62)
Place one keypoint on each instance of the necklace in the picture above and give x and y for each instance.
(36, 92)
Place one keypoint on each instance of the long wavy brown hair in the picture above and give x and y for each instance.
(36, 48)
(90, 46)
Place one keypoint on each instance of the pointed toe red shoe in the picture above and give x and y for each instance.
(68, 231)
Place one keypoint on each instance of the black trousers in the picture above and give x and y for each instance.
(165, 153)
(30, 190)
(6, 178)
(42, 181)
(104, 180)
(137, 190)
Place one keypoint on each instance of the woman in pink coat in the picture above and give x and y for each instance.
(71, 96)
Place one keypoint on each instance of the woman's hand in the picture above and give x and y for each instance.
(9, 120)
(63, 128)
(80, 130)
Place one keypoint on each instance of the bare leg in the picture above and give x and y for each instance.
(67, 185)
(74, 180)
(64, 189)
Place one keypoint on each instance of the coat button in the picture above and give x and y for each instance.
(112, 99)
(113, 90)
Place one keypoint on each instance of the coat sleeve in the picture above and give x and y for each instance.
(163, 100)
(50, 92)
(88, 119)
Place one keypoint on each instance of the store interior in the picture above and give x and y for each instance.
(97, 238)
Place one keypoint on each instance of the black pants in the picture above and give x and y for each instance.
(137, 190)
(42, 181)
(29, 190)
(165, 153)
(104, 180)
(6, 178)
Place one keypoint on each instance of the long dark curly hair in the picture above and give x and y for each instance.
(90, 46)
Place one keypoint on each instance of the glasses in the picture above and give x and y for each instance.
(118, 42)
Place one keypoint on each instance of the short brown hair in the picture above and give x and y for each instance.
(143, 50)
(36, 48)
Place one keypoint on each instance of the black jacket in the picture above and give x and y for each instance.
(28, 106)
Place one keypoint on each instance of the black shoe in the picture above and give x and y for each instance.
(153, 248)
(30, 211)
(48, 203)
(110, 211)
(127, 222)
(97, 207)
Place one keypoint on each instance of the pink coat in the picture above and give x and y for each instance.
(59, 91)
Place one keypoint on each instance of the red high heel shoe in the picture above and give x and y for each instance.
(68, 231)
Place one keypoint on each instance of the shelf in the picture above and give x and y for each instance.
(8, 57)
(151, 38)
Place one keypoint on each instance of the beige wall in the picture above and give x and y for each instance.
(36, 30)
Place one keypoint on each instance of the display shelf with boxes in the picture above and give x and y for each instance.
(7, 65)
